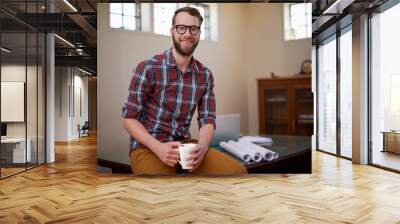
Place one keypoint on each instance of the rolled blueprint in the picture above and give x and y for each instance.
(255, 139)
(243, 155)
(267, 154)
(254, 155)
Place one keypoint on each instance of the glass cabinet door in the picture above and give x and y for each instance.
(303, 122)
(276, 111)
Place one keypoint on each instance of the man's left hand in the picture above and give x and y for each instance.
(196, 155)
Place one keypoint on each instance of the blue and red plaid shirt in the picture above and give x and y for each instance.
(164, 99)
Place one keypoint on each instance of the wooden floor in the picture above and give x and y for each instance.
(70, 191)
(387, 159)
(10, 171)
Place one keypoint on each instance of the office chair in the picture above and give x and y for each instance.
(84, 130)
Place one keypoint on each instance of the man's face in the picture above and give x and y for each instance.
(185, 43)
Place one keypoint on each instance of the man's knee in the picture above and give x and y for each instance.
(143, 161)
(216, 162)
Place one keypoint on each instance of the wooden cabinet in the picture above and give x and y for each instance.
(285, 106)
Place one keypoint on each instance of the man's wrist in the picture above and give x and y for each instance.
(203, 144)
(155, 146)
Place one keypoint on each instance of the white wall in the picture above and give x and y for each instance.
(67, 81)
(250, 45)
(34, 124)
(15, 72)
(61, 103)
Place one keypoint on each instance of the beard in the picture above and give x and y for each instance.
(184, 51)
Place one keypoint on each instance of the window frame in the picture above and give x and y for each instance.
(206, 25)
(288, 35)
(137, 17)
(334, 37)
(206, 19)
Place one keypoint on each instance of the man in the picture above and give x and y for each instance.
(163, 95)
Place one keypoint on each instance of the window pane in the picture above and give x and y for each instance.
(301, 33)
(297, 9)
(202, 13)
(129, 9)
(395, 102)
(327, 97)
(200, 8)
(308, 8)
(115, 21)
(297, 21)
(346, 94)
(385, 89)
(163, 13)
(116, 8)
(14, 71)
(129, 23)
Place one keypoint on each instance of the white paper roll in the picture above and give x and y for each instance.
(268, 155)
(243, 155)
(255, 139)
(255, 156)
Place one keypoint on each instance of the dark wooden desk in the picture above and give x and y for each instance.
(294, 156)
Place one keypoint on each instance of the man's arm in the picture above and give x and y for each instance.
(139, 90)
(167, 152)
(140, 134)
(206, 120)
(206, 135)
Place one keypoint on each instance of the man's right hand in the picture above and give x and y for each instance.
(168, 152)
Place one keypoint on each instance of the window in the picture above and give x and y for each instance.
(327, 96)
(163, 13)
(346, 94)
(205, 13)
(124, 16)
(297, 21)
(385, 88)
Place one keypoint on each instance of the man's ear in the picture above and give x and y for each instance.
(171, 30)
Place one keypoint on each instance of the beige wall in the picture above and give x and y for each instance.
(250, 45)
(266, 51)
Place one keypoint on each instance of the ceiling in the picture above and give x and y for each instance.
(76, 23)
(332, 15)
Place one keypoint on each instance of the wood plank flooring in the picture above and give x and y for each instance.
(70, 191)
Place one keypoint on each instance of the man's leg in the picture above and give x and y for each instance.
(144, 161)
(216, 162)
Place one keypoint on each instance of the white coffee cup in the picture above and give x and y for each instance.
(184, 150)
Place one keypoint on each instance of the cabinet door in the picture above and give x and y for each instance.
(276, 110)
(303, 111)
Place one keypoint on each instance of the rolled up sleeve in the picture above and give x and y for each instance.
(139, 90)
(206, 106)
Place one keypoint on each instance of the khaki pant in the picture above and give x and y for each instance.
(144, 161)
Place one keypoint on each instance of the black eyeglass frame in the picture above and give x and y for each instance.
(190, 29)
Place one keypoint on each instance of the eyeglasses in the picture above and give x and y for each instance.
(193, 30)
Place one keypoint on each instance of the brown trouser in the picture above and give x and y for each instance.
(144, 161)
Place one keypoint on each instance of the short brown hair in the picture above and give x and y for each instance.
(192, 11)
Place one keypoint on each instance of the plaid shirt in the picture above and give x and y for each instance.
(164, 99)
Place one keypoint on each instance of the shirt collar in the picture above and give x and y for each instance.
(171, 62)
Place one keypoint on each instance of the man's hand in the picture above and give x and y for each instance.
(196, 155)
(168, 152)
